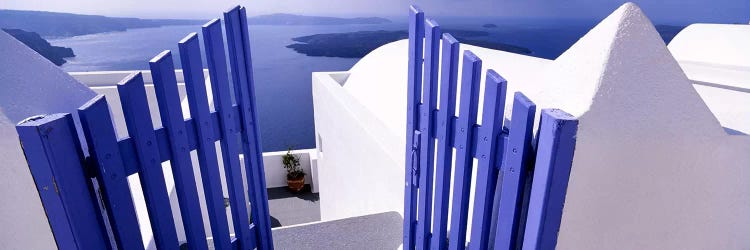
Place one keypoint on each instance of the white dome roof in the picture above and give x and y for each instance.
(623, 54)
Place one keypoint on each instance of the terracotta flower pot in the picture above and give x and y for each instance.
(296, 185)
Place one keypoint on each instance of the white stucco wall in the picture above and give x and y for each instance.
(359, 169)
(654, 168)
(652, 164)
(29, 85)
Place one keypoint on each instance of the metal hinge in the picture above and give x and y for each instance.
(416, 142)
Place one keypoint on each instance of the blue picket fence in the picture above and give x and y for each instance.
(530, 174)
(72, 177)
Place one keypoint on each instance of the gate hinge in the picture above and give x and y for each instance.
(416, 142)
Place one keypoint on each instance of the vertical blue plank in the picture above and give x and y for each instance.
(141, 130)
(554, 158)
(498, 188)
(231, 28)
(264, 213)
(195, 86)
(55, 160)
(472, 68)
(414, 87)
(170, 110)
(488, 143)
(526, 189)
(444, 131)
(514, 172)
(241, 68)
(427, 151)
(217, 68)
(102, 142)
(244, 90)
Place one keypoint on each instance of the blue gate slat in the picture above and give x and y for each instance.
(498, 188)
(102, 142)
(487, 166)
(148, 147)
(140, 128)
(557, 139)
(240, 59)
(427, 151)
(214, 44)
(253, 231)
(414, 87)
(503, 191)
(267, 236)
(170, 110)
(517, 154)
(452, 126)
(444, 131)
(127, 148)
(470, 78)
(195, 86)
(129, 159)
(53, 152)
(235, 243)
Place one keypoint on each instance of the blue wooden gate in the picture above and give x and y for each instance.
(72, 177)
(531, 175)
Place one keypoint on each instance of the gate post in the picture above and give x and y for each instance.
(56, 162)
(414, 91)
(557, 140)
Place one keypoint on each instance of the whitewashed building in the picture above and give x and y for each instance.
(660, 162)
(662, 148)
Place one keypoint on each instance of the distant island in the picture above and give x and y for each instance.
(358, 44)
(55, 54)
(291, 19)
(55, 24)
(489, 26)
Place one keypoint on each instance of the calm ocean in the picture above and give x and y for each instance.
(283, 76)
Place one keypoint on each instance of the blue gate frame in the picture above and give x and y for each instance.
(530, 174)
(83, 184)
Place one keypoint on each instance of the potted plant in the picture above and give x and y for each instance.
(295, 176)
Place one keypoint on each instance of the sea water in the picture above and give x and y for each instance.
(283, 76)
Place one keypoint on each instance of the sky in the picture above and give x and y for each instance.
(669, 11)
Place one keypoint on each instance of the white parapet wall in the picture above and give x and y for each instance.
(28, 93)
(276, 173)
(661, 162)
(38, 87)
(105, 83)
